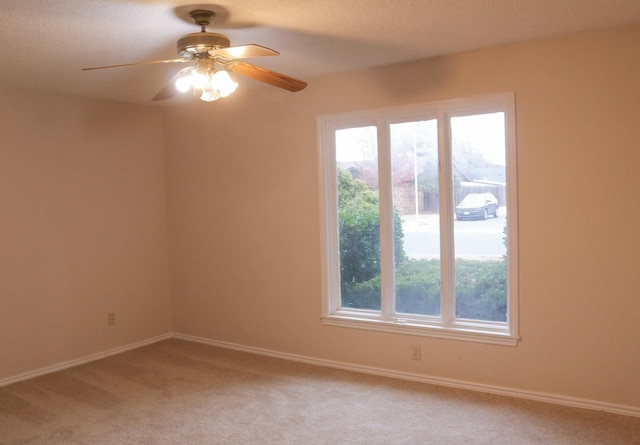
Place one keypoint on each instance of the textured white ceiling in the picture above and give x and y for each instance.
(44, 43)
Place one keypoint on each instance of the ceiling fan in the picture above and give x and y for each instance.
(209, 50)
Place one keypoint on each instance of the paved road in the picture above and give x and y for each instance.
(473, 238)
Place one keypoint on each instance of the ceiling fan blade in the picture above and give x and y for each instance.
(243, 51)
(265, 75)
(135, 63)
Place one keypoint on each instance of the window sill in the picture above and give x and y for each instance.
(471, 332)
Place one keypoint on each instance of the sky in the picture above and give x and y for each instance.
(484, 132)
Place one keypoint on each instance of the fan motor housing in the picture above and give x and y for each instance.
(198, 43)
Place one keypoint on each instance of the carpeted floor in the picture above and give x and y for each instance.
(178, 392)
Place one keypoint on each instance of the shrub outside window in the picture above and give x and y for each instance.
(420, 217)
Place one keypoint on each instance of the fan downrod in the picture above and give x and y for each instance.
(202, 17)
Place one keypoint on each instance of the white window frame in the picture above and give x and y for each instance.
(445, 326)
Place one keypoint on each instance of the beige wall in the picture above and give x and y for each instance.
(83, 228)
(244, 212)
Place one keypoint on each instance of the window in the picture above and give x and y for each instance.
(420, 217)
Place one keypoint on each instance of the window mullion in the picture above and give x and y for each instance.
(387, 272)
(447, 260)
(331, 263)
(512, 248)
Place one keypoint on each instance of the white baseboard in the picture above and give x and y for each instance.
(556, 399)
(81, 361)
(490, 389)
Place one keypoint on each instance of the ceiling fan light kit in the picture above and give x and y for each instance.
(204, 79)
(209, 49)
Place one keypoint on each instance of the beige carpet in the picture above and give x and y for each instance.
(177, 392)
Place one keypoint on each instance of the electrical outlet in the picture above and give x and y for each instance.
(416, 352)
(111, 319)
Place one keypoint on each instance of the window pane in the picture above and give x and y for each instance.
(358, 217)
(414, 164)
(479, 188)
